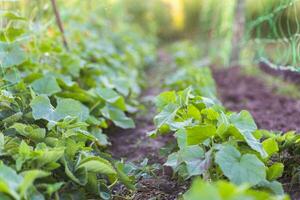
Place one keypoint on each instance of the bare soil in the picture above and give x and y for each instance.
(271, 111)
(134, 145)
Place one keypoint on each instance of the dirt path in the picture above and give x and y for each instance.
(134, 145)
(271, 111)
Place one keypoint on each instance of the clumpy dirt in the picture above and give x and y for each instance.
(270, 111)
(134, 145)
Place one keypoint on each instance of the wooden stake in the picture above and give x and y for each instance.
(59, 24)
(238, 32)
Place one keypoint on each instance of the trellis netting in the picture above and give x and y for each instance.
(274, 32)
(270, 31)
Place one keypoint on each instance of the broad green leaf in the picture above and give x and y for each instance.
(166, 116)
(42, 109)
(70, 107)
(46, 85)
(199, 133)
(240, 168)
(202, 190)
(210, 113)
(194, 158)
(222, 190)
(172, 161)
(29, 178)
(273, 186)
(193, 112)
(97, 165)
(110, 96)
(164, 99)
(275, 171)
(245, 124)
(72, 64)
(270, 146)
(117, 116)
(11, 54)
(9, 181)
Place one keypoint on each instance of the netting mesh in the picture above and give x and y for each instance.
(274, 33)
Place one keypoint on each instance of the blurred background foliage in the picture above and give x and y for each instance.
(268, 24)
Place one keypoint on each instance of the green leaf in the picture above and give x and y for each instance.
(46, 85)
(79, 178)
(210, 113)
(12, 16)
(72, 64)
(199, 133)
(123, 177)
(70, 107)
(117, 116)
(183, 97)
(110, 96)
(193, 112)
(42, 109)
(11, 54)
(245, 124)
(97, 165)
(222, 190)
(202, 190)
(166, 116)
(9, 181)
(274, 186)
(164, 99)
(275, 171)
(240, 168)
(49, 155)
(31, 132)
(270, 146)
(29, 177)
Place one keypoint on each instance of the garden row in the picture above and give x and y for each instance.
(233, 158)
(55, 104)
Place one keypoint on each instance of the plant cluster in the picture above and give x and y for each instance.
(217, 144)
(55, 104)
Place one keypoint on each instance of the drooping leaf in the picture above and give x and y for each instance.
(97, 165)
(245, 124)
